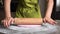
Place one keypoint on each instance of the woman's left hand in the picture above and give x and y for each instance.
(49, 20)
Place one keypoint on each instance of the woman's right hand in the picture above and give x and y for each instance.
(7, 21)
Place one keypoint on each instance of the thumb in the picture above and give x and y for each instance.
(12, 21)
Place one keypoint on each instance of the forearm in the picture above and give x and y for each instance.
(7, 8)
(49, 8)
(28, 21)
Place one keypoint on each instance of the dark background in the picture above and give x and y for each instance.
(56, 14)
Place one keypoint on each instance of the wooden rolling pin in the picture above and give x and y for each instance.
(28, 21)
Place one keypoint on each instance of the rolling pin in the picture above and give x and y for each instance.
(28, 21)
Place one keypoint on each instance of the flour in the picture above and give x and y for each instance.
(34, 28)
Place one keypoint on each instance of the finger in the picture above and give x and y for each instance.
(9, 22)
(51, 22)
(44, 20)
(3, 22)
(12, 21)
(6, 23)
(56, 21)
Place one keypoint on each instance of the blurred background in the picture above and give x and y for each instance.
(43, 4)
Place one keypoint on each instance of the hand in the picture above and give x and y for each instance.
(49, 20)
(7, 21)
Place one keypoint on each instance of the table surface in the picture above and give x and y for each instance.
(9, 31)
